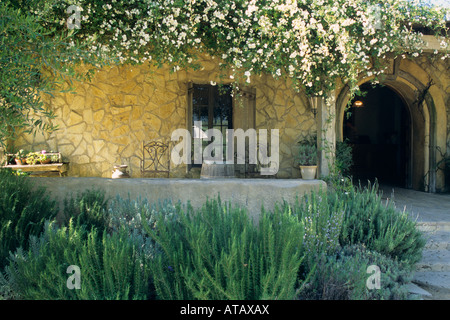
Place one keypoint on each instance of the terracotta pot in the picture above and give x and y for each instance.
(120, 172)
(308, 172)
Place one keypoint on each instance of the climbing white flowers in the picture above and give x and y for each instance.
(313, 42)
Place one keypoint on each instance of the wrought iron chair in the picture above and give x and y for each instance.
(155, 158)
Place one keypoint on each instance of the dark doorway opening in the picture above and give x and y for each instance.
(378, 126)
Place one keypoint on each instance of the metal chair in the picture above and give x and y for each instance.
(155, 158)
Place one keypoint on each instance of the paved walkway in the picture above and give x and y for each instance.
(432, 211)
(427, 207)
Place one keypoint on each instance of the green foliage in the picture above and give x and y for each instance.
(218, 252)
(21, 154)
(87, 208)
(314, 248)
(33, 158)
(128, 214)
(343, 276)
(307, 152)
(20, 172)
(111, 266)
(321, 222)
(344, 158)
(34, 60)
(23, 211)
(380, 226)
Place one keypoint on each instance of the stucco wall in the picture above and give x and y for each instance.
(251, 194)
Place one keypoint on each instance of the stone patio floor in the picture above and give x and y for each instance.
(427, 207)
(432, 211)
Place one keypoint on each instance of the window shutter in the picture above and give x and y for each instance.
(244, 117)
(189, 108)
(244, 112)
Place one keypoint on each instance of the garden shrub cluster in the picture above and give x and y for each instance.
(380, 226)
(343, 276)
(319, 247)
(112, 266)
(218, 252)
(22, 212)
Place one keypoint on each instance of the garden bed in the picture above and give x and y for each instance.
(321, 246)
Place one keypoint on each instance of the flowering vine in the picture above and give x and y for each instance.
(313, 43)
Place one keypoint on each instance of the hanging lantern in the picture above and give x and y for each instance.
(314, 101)
(358, 104)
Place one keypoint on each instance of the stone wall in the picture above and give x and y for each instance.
(277, 107)
(106, 121)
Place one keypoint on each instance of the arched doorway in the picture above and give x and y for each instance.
(379, 128)
(424, 106)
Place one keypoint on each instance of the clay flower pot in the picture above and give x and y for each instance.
(308, 172)
(120, 171)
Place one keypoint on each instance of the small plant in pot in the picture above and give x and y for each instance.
(307, 158)
(54, 158)
(20, 157)
(44, 158)
(33, 158)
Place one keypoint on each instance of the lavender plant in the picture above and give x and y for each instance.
(321, 224)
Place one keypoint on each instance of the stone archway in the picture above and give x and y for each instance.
(425, 124)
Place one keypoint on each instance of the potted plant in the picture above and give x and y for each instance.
(307, 158)
(32, 158)
(44, 158)
(20, 157)
(54, 158)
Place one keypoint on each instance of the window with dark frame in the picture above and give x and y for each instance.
(213, 106)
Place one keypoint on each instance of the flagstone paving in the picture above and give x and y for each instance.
(432, 212)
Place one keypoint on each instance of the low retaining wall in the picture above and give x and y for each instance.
(248, 193)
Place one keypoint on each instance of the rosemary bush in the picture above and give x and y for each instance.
(23, 211)
(87, 208)
(111, 266)
(218, 252)
(321, 223)
(128, 214)
(314, 248)
(343, 276)
(379, 226)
